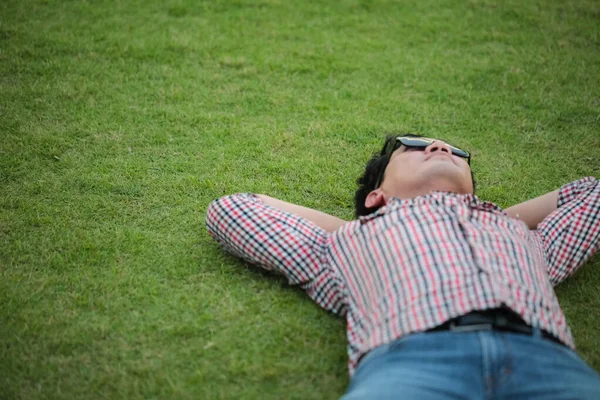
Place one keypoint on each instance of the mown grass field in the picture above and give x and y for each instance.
(121, 120)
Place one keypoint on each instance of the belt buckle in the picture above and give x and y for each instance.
(470, 328)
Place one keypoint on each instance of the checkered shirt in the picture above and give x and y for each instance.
(414, 264)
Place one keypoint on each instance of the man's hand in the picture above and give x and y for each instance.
(533, 211)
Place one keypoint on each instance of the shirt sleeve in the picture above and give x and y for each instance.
(571, 234)
(277, 241)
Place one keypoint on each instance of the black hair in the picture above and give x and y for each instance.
(373, 170)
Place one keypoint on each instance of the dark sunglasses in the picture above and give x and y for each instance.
(419, 143)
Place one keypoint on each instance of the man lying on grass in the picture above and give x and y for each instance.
(445, 295)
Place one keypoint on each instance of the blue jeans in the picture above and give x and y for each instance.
(473, 365)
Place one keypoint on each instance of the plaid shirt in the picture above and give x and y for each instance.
(414, 264)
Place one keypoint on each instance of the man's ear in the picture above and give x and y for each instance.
(375, 199)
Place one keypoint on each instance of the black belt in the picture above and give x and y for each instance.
(498, 319)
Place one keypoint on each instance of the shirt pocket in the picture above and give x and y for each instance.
(504, 248)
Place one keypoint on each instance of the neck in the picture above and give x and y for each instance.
(441, 186)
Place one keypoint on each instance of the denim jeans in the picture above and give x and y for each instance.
(473, 365)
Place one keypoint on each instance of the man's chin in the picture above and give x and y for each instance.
(448, 177)
(442, 168)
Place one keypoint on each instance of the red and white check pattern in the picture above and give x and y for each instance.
(414, 264)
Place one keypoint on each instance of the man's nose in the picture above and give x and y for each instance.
(438, 145)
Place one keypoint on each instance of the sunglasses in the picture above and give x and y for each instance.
(419, 143)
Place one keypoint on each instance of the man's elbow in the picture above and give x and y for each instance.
(223, 211)
(214, 215)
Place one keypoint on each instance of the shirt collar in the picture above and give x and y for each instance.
(447, 199)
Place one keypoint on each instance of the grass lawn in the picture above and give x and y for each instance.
(121, 120)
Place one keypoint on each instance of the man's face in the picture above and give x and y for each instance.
(414, 172)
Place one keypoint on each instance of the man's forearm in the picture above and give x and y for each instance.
(321, 219)
(533, 211)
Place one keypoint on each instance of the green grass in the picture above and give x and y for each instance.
(121, 120)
